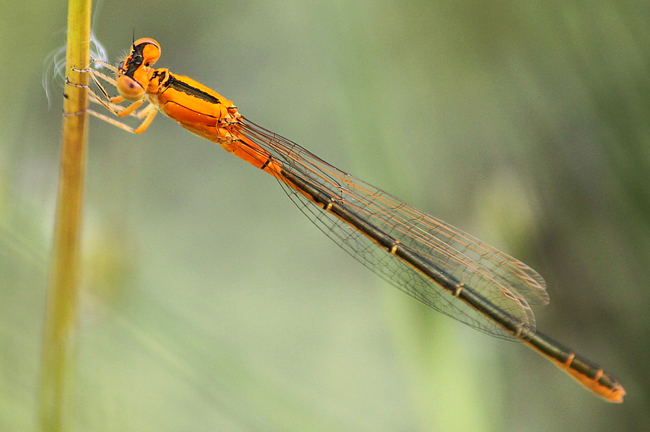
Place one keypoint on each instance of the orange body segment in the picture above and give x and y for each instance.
(613, 392)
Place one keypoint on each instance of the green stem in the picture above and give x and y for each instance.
(61, 313)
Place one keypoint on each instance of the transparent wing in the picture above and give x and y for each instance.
(505, 281)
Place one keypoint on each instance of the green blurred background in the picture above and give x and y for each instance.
(210, 302)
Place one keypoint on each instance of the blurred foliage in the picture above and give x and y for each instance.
(210, 303)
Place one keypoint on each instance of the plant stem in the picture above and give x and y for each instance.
(61, 313)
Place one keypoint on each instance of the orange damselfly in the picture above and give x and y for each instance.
(430, 260)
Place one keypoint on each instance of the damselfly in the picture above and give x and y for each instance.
(432, 261)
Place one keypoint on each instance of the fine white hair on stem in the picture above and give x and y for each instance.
(54, 64)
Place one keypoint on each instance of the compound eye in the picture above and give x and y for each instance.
(129, 88)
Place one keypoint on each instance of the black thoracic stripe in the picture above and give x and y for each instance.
(188, 89)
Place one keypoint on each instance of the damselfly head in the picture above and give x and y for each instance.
(144, 52)
(135, 72)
